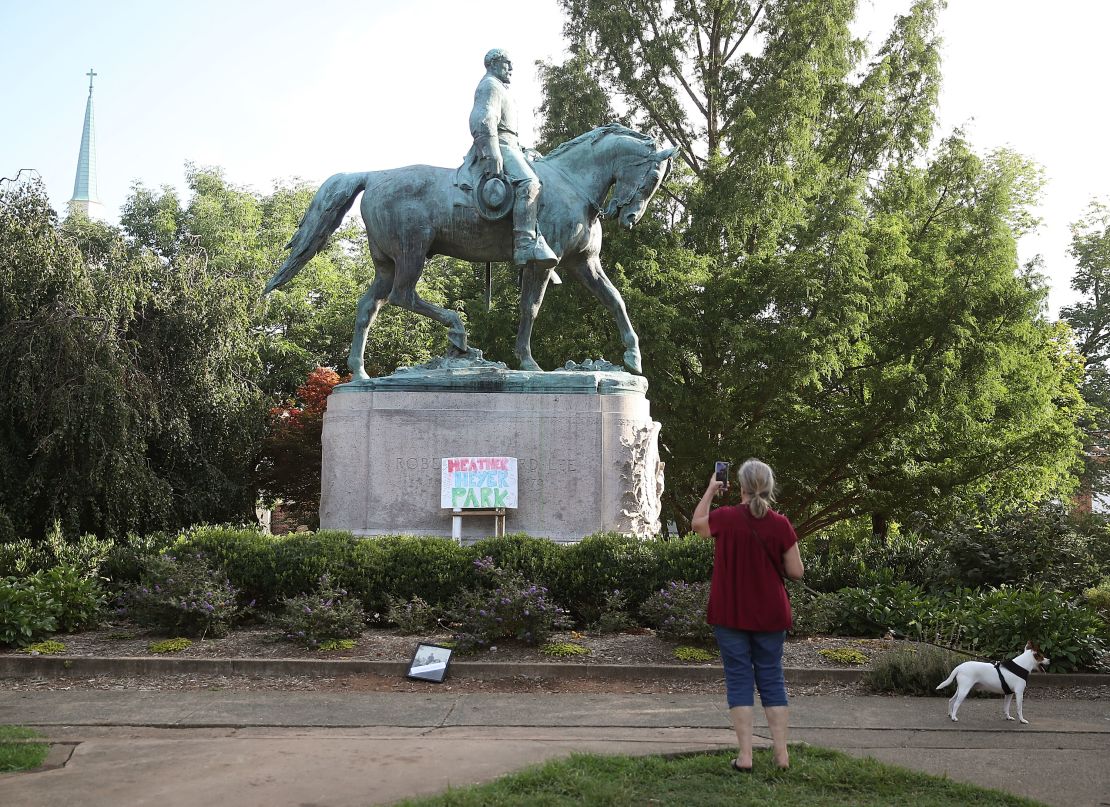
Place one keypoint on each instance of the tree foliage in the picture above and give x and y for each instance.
(126, 399)
(822, 285)
(1090, 320)
(289, 469)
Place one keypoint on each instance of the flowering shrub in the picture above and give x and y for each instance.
(678, 611)
(413, 616)
(512, 609)
(311, 619)
(181, 594)
(614, 616)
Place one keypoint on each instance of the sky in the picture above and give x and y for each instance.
(279, 90)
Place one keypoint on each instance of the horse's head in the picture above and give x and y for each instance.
(637, 180)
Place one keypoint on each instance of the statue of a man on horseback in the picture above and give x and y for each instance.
(417, 211)
(497, 152)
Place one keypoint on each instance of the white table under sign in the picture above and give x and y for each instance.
(478, 486)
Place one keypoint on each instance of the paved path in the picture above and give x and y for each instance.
(296, 749)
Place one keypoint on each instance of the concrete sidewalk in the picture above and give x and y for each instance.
(178, 749)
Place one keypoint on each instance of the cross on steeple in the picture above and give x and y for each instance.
(85, 196)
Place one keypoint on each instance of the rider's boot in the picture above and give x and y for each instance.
(530, 248)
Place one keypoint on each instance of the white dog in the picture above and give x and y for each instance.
(1007, 677)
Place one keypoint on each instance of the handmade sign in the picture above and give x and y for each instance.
(472, 483)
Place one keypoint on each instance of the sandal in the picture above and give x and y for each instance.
(740, 769)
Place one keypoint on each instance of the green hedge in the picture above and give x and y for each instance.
(994, 622)
(267, 569)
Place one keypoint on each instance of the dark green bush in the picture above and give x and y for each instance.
(123, 566)
(688, 558)
(900, 607)
(851, 556)
(912, 671)
(27, 613)
(998, 623)
(601, 563)
(23, 557)
(434, 569)
(77, 598)
(533, 558)
(814, 615)
(1039, 546)
(245, 554)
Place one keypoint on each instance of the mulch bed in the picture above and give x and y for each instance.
(639, 647)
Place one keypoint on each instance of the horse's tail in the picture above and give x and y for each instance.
(323, 217)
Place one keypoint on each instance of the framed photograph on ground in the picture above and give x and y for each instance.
(429, 663)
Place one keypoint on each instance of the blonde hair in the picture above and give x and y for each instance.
(758, 481)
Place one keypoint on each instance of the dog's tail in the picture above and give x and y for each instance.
(948, 680)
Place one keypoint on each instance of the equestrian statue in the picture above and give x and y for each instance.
(556, 204)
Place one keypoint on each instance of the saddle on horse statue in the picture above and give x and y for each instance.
(494, 196)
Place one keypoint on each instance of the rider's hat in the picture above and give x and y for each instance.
(494, 196)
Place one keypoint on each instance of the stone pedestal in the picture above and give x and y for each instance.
(586, 446)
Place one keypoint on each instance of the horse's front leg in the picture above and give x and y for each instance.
(591, 273)
(533, 284)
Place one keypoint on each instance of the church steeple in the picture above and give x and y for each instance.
(86, 197)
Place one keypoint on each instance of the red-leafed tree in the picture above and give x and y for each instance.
(290, 467)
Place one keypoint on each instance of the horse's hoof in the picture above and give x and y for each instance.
(359, 375)
(632, 361)
(530, 364)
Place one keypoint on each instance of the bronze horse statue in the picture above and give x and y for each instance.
(415, 212)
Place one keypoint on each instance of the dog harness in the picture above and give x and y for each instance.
(1009, 666)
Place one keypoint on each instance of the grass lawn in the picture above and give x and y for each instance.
(817, 776)
(20, 756)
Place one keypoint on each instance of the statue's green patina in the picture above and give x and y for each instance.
(417, 211)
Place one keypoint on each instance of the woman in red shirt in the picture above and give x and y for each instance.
(754, 549)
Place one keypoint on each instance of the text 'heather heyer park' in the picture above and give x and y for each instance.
(470, 482)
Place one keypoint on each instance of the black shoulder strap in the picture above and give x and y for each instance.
(776, 564)
(1016, 669)
(1002, 679)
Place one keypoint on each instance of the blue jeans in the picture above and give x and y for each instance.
(752, 657)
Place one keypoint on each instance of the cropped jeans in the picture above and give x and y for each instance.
(752, 658)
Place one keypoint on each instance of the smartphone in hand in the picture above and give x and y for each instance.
(720, 473)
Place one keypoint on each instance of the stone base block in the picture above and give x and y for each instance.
(586, 462)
